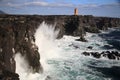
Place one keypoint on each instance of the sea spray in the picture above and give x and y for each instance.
(21, 65)
(62, 61)
(45, 40)
(24, 71)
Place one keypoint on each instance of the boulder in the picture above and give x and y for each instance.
(81, 39)
(89, 47)
(95, 54)
(114, 55)
(111, 56)
(86, 53)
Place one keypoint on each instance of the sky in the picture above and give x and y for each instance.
(110, 8)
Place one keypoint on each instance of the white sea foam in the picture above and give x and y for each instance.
(45, 40)
(61, 59)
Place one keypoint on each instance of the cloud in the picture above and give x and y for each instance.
(40, 3)
(111, 5)
(36, 4)
(47, 4)
(87, 6)
(68, 5)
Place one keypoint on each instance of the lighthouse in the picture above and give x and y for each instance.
(75, 11)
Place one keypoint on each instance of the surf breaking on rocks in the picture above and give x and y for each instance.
(62, 61)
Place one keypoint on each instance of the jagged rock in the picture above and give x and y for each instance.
(86, 53)
(92, 29)
(17, 34)
(104, 54)
(96, 54)
(16, 37)
(115, 55)
(111, 56)
(6, 74)
(81, 39)
(6, 46)
(89, 47)
(70, 25)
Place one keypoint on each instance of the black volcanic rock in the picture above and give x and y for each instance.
(70, 25)
(6, 46)
(89, 47)
(112, 55)
(95, 54)
(7, 75)
(86, 53)
(17, 35)
(81, 39)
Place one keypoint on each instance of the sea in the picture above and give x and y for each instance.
(61, 59)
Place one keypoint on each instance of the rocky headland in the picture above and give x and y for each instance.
(17, 36)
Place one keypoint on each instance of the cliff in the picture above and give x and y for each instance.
(17, 36)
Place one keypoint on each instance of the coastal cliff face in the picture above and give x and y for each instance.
(17, 36)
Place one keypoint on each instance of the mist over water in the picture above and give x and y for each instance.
(61, 60)
(45, 40)
(45, 36)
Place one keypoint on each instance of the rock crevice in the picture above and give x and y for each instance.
(17, 35)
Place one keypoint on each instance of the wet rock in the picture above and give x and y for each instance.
(81, 39)
(7, 75)
(103, 54)
(89, 47)
(107, 52)
(114, 55)
(111, 56)
(12, 40)
(96, 54)
(92, 29)
(86, 53)
(17, 32)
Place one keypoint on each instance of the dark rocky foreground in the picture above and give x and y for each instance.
(17, 36)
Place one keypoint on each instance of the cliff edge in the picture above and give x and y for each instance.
(17, 36)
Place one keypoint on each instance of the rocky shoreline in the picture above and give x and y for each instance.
(17, 36)
(112, 55)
